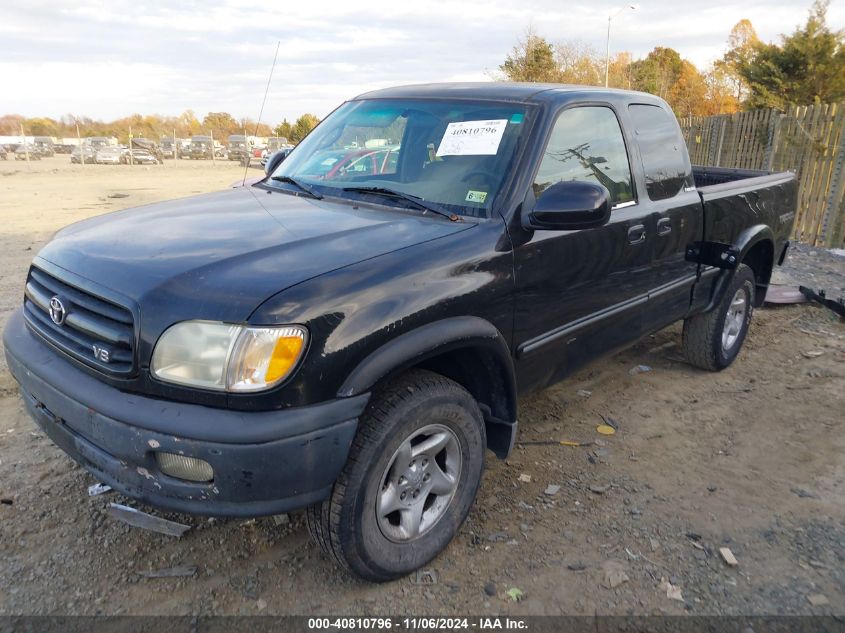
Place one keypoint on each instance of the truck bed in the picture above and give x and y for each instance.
(739, 200)
(708, 178)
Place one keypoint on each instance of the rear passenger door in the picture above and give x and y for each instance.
(676, 215)
(582, 293)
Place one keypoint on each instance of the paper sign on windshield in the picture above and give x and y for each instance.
(472, 138)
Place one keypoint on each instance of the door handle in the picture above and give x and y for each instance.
(636, 234)
(664, 226)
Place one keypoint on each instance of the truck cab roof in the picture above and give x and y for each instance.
(511, 91)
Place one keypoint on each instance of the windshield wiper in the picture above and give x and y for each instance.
(414, 200)
(299, 185)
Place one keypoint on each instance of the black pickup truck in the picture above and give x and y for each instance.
(349, 334)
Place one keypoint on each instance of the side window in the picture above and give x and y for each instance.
(586, 144)
(665, 163)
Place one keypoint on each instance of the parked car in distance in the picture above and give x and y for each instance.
(63, 148)
(275, 143)
(201, 147)
(83, 154)
(97, 141)
(27, 151)
(238, 147)
(282, 153)
(352, 341)
(112, 155)
(169, 148)
(3, 153)
(44, 145)
(143, 157)
(149, 146)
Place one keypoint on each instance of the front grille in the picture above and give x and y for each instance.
(96, 332)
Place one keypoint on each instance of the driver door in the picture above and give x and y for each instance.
(580, 293)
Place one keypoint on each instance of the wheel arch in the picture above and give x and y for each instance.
(469, 350)
(755, 247)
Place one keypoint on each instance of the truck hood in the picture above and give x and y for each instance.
(218, 256)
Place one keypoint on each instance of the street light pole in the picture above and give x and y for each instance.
(633, 7)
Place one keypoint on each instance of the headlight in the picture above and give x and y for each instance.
(227, 357)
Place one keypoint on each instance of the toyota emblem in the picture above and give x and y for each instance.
(58, 313)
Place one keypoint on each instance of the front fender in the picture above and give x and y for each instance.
(467, 349)
(424, 342)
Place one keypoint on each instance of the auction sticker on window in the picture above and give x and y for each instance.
(472, 138)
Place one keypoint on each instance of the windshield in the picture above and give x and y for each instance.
(453, 153)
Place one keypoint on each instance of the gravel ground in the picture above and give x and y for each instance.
(750, 459)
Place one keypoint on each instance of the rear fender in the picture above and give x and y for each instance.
(745, 241)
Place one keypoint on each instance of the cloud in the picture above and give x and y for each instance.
(111, 58)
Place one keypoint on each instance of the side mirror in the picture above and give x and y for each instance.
(273, 161)
(569, 206)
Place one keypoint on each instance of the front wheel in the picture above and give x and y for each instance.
(412, 475)
(712, 340)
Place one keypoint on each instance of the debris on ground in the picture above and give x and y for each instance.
(515, 594)
(639, 369)
(281, 519)
(812, 353)
(136, 518)
(818, 600)
(599, 489)
(554, 443)
(804, 494)
(576, 566)
(673, 592)
(551, 490)
(171, 572)
(614, 575)
(525, 478)
(837, 305)
(728, 556)
(425, 577)
(95, 490)
(118, 195)
(584, 393)
(781, 295)
(605, 429)
(490, 589)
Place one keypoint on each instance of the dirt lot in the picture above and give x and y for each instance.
(751, 459)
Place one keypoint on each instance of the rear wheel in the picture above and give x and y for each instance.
(412, 475)
(713, 340)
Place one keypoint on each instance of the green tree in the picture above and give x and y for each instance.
(283, 129)
(532, 59)
(658, 72)
(807, 67)
(302, 127)
(743, 43)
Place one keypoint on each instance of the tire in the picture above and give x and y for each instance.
(712, 340)
(381, 546)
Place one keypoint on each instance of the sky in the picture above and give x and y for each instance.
(111, 58)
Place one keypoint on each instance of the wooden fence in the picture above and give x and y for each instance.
(809, 140)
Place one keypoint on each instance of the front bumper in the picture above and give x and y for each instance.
(265, 462)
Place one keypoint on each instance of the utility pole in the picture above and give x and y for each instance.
(131, 158)
(633, 7)
(25, 148)
(79, 145)
(211, 132)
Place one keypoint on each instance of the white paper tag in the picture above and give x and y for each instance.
(472, 138)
